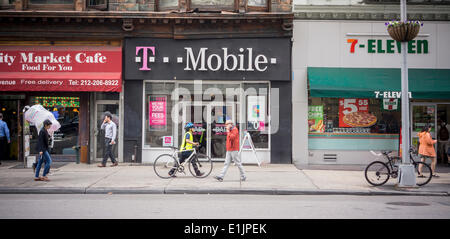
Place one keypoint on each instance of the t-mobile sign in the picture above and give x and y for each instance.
(238, 59)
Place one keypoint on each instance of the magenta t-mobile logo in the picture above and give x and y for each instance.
(145, 57)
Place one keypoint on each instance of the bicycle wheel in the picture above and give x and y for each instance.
(377, 173)
(203, 163)
(426, 172)
(163, 164)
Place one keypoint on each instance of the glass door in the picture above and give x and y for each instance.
(209, 125)
(100, 108)
(421, 115)
(219, 114)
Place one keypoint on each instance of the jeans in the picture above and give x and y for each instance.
(47, 160)
(108, 152)
(232, 156)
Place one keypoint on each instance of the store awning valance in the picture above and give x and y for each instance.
(373, 82)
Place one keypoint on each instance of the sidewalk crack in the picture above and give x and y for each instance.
(106, 176)
(310, 179)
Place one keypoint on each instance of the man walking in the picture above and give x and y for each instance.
(4, 138)
(232, 151)
(110, 139)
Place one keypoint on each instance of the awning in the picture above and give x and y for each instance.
(373, 82)
(61, 68)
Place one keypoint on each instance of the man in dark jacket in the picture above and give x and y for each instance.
(44, 155)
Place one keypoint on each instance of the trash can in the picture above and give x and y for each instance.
(77, 151)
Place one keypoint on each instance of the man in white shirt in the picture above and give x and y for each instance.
(110, 139)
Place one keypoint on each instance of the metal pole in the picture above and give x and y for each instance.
(407, 177)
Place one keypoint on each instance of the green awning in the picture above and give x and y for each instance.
(364, 82)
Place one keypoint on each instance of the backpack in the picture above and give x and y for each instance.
(443, 133)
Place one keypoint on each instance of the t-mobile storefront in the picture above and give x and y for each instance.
(171, 82)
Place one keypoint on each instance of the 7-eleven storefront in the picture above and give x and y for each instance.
(349, 68)
(76, 83)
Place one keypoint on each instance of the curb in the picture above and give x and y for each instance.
(16, 190)
(61, 190)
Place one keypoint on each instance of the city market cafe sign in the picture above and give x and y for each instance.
(60, 68)
(386, 46)
(29, 61)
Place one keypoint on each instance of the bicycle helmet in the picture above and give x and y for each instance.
(189, 125)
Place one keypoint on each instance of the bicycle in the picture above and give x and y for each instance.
(166, 162)
(378, 173)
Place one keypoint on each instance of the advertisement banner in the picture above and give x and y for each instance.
(57, 68)
(355, 113)
(157, 113)
(315, 119)
(256, 113)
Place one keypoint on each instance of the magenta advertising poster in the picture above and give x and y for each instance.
(157, 112)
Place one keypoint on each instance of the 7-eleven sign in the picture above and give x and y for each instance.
(390, 104)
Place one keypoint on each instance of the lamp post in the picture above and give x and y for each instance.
(407, 177)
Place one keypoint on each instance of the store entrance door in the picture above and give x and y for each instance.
(209, 121)
(10, 110)
(421, 115)
(101, 107)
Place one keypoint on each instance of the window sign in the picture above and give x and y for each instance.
(315, 119)
(355, 113)
(157, 113)
(49, 101)
(256, 112)
(167, 141)
(390, 104)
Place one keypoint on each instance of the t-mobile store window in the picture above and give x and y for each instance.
(257, 113)
(158, 120)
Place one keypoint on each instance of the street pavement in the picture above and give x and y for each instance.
(269, 179)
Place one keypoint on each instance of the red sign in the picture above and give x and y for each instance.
(347, 106)
(58, 68)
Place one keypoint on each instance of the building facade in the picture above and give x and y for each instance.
(346, 83)
(232, 45)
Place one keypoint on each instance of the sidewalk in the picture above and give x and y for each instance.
(269, 179)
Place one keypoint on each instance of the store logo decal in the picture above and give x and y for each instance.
(388, 46)
(145, 56)
(201, 61)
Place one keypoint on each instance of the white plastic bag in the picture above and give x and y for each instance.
(37, 114)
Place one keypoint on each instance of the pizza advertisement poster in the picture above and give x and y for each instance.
(315, 119)
(355, 113)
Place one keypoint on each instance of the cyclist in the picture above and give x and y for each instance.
(187, 149)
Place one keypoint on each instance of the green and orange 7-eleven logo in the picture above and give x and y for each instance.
(387, 46)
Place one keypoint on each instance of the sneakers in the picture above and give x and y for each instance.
(114, 164)
(218, 178)
(199, 174)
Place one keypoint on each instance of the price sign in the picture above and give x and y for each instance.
(347, 106)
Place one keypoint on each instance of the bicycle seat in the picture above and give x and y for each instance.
(172, 147)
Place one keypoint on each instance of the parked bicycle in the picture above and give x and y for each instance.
(378, 173)
(165, 162)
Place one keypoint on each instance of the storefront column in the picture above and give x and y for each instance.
(132, 137)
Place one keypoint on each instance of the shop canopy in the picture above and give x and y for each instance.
(374, 82)
(61, 68)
